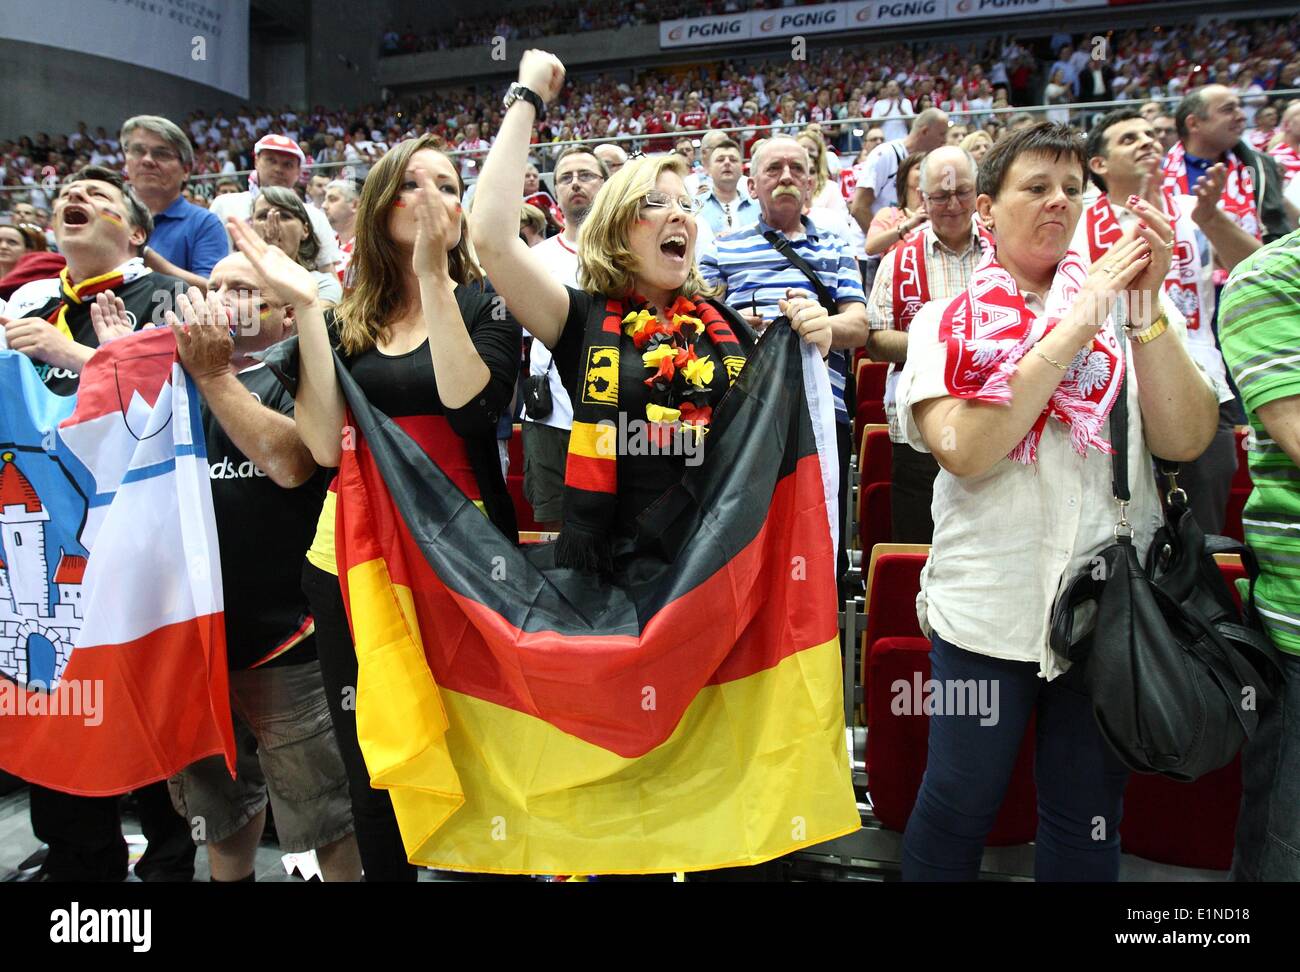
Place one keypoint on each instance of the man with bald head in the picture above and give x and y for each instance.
(933, 262)
(266, 495)
(612, 154)
(877, 175)
(1286, 150)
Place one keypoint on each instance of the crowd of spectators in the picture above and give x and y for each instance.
(547, 20)
(887, 83)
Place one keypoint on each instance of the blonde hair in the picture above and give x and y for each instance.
(378, 264)
(968, 142)
(606, 263)
(817, 159)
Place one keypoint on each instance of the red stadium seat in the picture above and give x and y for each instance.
(515, 483)
(870, 411)
(1242, 478)
(894, 649)
(875, 457)
(874, 522)
(871, 379)
(1187, 824)
(1240, 490)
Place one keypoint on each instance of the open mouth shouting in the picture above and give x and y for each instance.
(75, 214)
(674, 247)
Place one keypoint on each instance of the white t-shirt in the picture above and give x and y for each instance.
(240, 206)
(561, 259)
(879, 173)
(895, 112)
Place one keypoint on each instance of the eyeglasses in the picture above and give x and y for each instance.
(941, 199)
(584, 176)
(160, 154)
(655, 199)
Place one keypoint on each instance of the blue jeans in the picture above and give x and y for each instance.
(1268, 829)
(971, 755)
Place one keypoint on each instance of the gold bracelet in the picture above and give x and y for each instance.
(1151, 331)
(1055, 364)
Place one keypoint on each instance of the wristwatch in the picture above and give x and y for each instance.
(1152, 330)
(518, 91)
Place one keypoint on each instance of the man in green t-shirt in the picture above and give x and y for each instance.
(1259, 329)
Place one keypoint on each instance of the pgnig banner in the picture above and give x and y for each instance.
(201, 40)
(860, 15)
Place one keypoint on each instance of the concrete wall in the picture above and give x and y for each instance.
(342, 51)
(45, 89)
(277, 73)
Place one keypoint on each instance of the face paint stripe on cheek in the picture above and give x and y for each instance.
(112, 218)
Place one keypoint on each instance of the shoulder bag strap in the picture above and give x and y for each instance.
(783, 247)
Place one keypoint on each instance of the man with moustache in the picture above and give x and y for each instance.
(758, 276)
(1124, 159)
(934, 262)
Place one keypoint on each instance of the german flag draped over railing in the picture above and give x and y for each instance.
(684, 714)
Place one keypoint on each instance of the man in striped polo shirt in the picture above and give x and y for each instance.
(757, 276)
(1259, 329)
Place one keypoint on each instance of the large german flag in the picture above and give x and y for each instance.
(684, 714)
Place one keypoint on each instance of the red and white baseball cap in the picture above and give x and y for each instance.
(278, 143)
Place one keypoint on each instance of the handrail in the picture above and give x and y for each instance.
(543, 150)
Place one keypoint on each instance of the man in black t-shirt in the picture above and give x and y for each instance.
(267, 493)
(100, 226)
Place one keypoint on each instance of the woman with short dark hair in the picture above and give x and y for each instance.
(1011, 386)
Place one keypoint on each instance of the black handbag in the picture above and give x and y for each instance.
(537, 393)
(1177, 674)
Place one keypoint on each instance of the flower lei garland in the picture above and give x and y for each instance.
(681, 376)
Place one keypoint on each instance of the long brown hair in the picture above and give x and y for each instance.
(378, 265)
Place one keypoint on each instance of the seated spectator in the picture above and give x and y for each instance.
(978, 145)
(280, 218)
(614, 156)
(36, 262)
(532, 225)
(892, 224)
(13, 244)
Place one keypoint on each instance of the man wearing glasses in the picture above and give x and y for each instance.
(187, 240)
(579, 174)
(933, 263)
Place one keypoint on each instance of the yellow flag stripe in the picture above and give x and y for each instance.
(756, 768)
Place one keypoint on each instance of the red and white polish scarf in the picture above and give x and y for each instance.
(1100, 231)
(1238, 200)
(989, 328)
(911, 283)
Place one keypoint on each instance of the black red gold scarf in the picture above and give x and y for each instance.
(676, 389)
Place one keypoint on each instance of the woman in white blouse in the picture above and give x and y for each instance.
(1010, 385)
